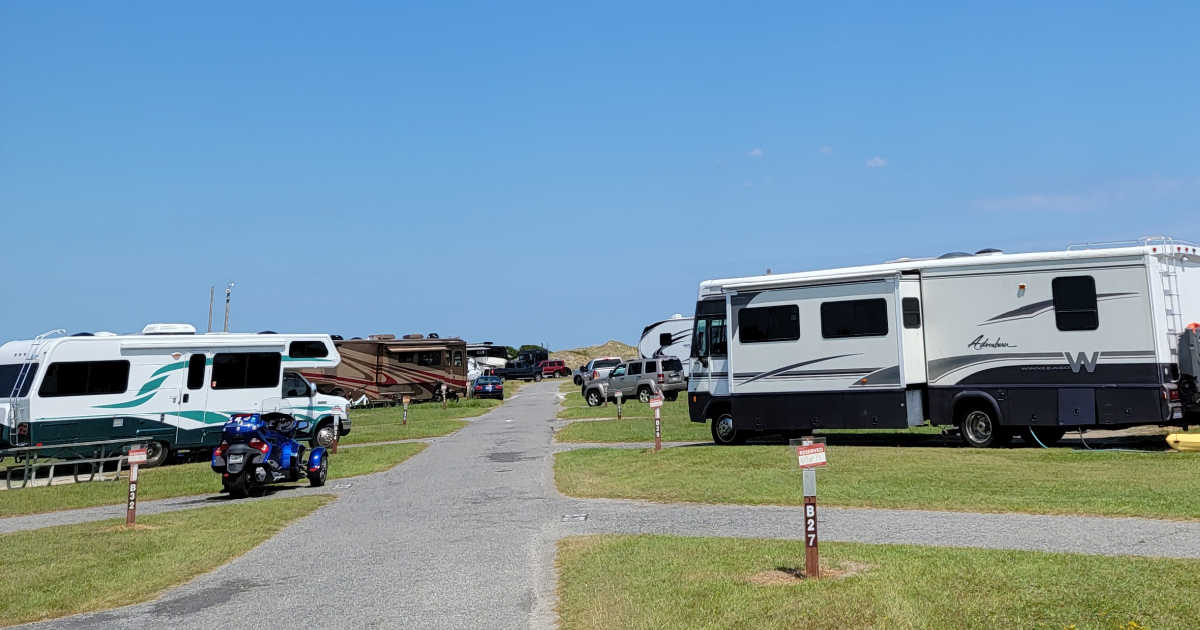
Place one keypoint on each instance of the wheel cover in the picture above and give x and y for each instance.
(644, 395)
(978, 426)
(325, 436)
(725, 428)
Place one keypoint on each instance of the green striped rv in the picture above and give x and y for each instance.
(169, 385)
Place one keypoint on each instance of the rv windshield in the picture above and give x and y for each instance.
(9, 374)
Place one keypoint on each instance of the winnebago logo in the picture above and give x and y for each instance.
(1082, 360)
(981, 343)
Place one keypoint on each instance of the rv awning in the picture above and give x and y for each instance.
(401, 349)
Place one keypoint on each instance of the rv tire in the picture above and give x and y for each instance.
(156, 454)
(324, 435)
(724, 433)
(979, 428)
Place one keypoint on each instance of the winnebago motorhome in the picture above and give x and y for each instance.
(668, 338)
(995, 344)
(168, 384)
(384, 369)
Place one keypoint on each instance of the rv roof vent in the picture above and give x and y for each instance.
(432, 335)
(267, 332)
(335, 337)
(954, 255)
(382, 337)
(83, 334)
(989, 250)
(414, 336)
(677, 316)
(105, 333)
(169, 329)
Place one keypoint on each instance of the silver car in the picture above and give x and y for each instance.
(641, 378)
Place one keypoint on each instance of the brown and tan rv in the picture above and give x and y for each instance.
(384, 369)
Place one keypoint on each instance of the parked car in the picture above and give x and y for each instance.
(489, 387)
(521, 370)
(554, 367)
(641, 378)
(578, 376)
(597, 369)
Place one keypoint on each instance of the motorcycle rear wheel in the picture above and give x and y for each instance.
(316, 478)
(238, 485)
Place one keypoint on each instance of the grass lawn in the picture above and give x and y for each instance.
(70, 569)
(1046, 481)
(666, 582)
(184, 480)
(637, 424)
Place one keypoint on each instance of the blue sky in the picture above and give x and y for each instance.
(560, 174)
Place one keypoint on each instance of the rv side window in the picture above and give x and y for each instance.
(85, 378)
(769, 323)
(405, 357)
(912, 312)
(635, 369)
(308, 350)
(716, 335)
(245, 370)
(11, 374)
(854, 318)
(1075, 303)
(195, 376)
(458, 358)
(433, 357)
(700, 338)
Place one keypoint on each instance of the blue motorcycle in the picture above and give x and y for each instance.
(257, 450)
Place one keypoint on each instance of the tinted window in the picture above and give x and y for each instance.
(405, 357)
(308, 350)
(603, 363)
(83, 378)
(635, 368)
(432, 357)
(458, 358)
(195, 375)
(1075, 303)
(10, 374)
(912, 312)
(618, 371)
(769, 323)
(672, 365)
(716, 337)
(294, 386)
(854, 318)
(700, 338)
(245, 370)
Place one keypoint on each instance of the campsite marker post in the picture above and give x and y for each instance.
(443, 395)
(405, 400)
(618, 395)
(810, 455)
(137, 456)
(656, 402)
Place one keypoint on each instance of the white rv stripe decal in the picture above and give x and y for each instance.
(770, 373)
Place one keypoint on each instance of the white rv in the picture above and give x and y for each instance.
(169, 385)
(668, 338)
(995, 344)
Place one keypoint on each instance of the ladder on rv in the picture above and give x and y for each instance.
(1169, 277)
(26, 371)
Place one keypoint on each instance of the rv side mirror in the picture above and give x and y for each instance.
(664, 339)
(703, 361)
(312, 390)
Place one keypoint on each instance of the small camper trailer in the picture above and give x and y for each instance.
(668, 338)
(994, 344)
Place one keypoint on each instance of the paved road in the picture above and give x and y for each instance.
(462, 536)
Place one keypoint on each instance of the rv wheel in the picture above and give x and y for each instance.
(156, 454)
(724, 433)
(979, 429)
(324, 436)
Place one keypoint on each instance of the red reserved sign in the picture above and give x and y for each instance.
(811, 456)
(137, 456)
(656, 402)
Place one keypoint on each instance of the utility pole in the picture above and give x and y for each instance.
(228, 292)
(211, 295)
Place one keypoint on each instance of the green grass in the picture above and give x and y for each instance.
(71, 569)
(665, 582)
(185, 480)
(637, 424)
(1047, 481)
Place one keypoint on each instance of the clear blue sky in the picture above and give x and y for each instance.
(526, 173)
